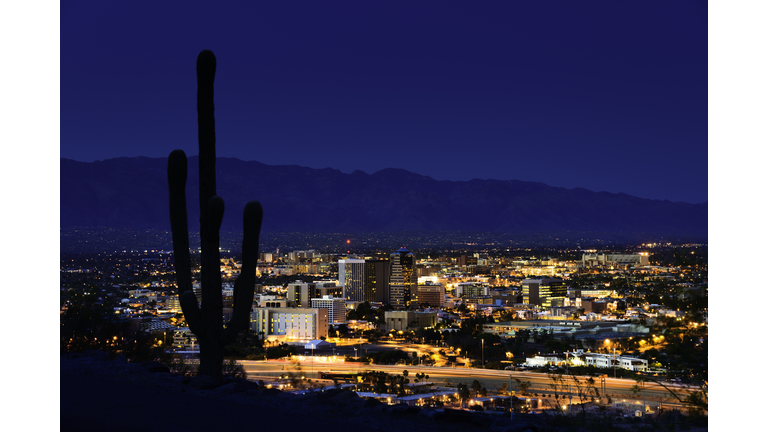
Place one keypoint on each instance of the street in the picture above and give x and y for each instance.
(620, 390)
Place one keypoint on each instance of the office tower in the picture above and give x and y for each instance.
(300, 293)
(351, 277)
(434, 295)
(376, 280)
(402, 279)
(337, 311)
(544, 292)
(469, 289)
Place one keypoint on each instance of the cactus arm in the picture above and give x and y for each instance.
(192, 314)
(244, 286)
(177, 178)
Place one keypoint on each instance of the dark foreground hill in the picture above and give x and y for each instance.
(98, 395)
(101, 395)
(132, 193)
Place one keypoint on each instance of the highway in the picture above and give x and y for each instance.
(618, 389)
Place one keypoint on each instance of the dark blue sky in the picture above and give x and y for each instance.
(609, 96)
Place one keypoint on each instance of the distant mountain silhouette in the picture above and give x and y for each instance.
(133, 193)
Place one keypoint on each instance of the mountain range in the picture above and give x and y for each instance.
(133, 193)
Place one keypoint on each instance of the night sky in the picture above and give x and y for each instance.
(605, 95)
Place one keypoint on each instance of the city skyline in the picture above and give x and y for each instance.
(39, 108)
(608, 97)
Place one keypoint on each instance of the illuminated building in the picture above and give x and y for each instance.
(376, 288)
(432, 294)
(300, 293)
(407, 320)
(601, 259)
(402, 279)
(352, 279)
(544, 292)
(469, 289)
(290, 323)
(337, 312)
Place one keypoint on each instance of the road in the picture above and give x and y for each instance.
(618, 389)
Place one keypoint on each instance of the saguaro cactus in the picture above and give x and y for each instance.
(206, 321)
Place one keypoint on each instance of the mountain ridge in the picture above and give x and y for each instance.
(131, 192)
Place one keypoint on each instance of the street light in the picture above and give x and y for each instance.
(608, 343)
(482, 352)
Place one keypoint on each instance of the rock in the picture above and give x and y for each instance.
(399, 409)
(120, 359)
(346, 398)
(270, 392)
(204, 382)
(154, 367)
(430, 413)
(502, 424)
(457, 416)
(482, 420)
(328, 394)
(412, 410)
(378, 409)
(224, 389)
(244, 386)
(372, 403)
(97, 355)
(307, 397)
(524, 428)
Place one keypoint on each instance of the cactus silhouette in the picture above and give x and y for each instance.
(207, 321)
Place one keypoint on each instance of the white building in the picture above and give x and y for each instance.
(337, 312)
(579, 358)
(601, 259)
(301, 324)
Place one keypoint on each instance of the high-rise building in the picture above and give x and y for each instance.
(337, 311)
(376, 288)
(300, 293)
(352, 278)
(403, 279)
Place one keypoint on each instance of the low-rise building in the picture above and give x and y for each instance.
(183, 338)
(300, 324)
(580, 358)
(408, 320)
(434, 295)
